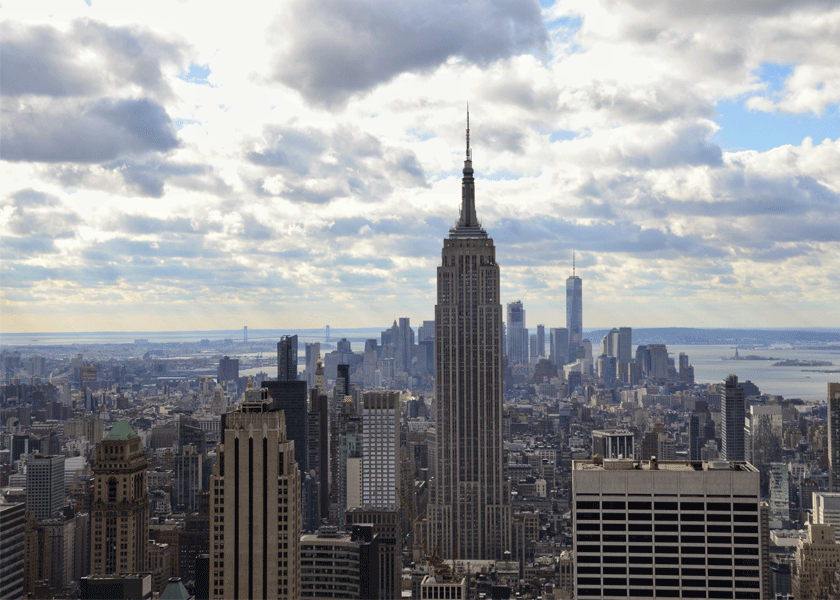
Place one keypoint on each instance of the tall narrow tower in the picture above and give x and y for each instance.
(574, 311)
(120, 507)
(255, 489)
(732, 413)
(470, 511)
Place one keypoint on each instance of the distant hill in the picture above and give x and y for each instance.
(733, 337)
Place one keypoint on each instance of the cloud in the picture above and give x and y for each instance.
(329, 51)
(84, 132)
(89, 58)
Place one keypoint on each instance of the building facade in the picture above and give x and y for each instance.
(44, 485)
(380, 449)
(469, 512)
(676, 529)
(834, 436)
(255, 506)
(120, 507)
(732, 415)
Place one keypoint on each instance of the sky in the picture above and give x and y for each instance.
(166, 166)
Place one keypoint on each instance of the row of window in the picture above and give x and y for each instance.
(668, 571)
(667, 539)
(659, 549)
(657, 505)
(665, 593)
(660, 527)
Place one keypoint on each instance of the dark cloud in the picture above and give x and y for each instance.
(88, 59)
(30, 198)
(148, 177)
(26, 247)
(334, 49)
(86, 132)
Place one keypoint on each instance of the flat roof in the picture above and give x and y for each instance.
(618, 464)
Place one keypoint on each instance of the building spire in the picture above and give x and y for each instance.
(469, 152)
(573, 263)
(468, 224)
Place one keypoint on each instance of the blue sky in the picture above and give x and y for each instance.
(304, 167)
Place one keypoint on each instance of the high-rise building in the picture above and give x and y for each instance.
(675, 529)
(701, 429)
(255, 494)
(517, 334)
(732, 419)
(625, 344)
(469, 512)
(558, 352)
(834, 436)
(336, 564)
(44, 485)
(290, 397)
(826, 510)
(380, 449)
(120, 507)
(816, 564)
(613, 443)
(574, 312)
(228, 369)
(540, 340)
(12, 531)
(312, 356)
(287, 358)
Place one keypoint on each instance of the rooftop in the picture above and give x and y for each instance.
(121, 431)
(618, 464)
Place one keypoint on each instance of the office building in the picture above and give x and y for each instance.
(732, 415)
(540, 341)
(834, 436)
(816, 564)
(574, 312)
(701, 429)
(558, 347)
(336, 564)
(350, 442)
(290, 397)
(517, 335)
(255, 501)
(779, 495)
(12, 531)
(613, 443)
(44, 485)
(625, 344)
(380, 449)
(188, 465)
(676, 529)
(386, 527)
(287, 358)
(120, 507)
(228, 369)
(469, 511)
(826, 510)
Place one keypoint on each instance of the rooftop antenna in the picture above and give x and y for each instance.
(573, 263)
(469, 152)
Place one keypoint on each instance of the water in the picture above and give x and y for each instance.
(790, 382)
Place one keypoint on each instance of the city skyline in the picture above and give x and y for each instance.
(298, 169)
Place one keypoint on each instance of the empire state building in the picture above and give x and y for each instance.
(469, 515)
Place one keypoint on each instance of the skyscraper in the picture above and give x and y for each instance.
(255, 492)
(574, 311)
(732, 415)
(120, 507)
(834, 436)
(558, 346)
(287, 355)
(517, 334)
(469, 511)
(380, 449)
(44, 485)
